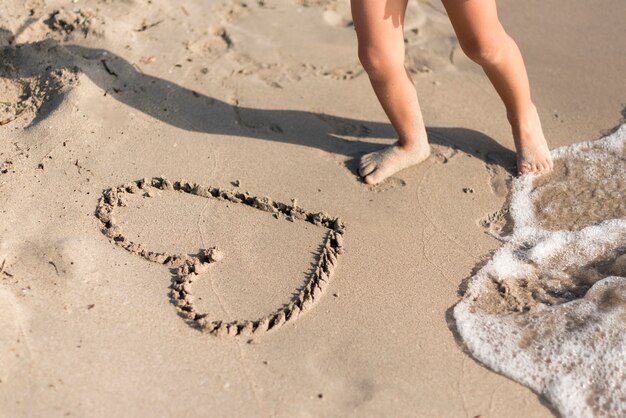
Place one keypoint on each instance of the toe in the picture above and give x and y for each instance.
(524, 168)
(373, 178)
(366, 168)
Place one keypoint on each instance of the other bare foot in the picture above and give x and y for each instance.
(377, 166)
(533, 154)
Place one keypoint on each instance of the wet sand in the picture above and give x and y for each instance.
(266, 98)
(549, 308)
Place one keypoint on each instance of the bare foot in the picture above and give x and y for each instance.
(377, 166)
(533, 154)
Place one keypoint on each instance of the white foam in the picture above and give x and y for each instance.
(548, 310)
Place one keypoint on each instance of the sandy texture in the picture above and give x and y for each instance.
(266, 97)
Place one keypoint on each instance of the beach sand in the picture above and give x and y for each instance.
(268, 98)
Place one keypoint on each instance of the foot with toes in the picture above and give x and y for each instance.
(533, 155)
(377, 166)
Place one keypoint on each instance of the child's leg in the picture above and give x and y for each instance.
(379, 28)
(484, 41)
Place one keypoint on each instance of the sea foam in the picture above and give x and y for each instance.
(549, 309)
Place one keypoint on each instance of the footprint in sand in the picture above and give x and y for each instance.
(497, 223)
(75, 22)
(188, 268)
(259, 46)
(549, 309)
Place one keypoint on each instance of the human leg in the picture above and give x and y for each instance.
(484, 40)
(379, 27)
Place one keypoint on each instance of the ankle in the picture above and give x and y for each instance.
(524, 119)
(405, 144)
(413, 143)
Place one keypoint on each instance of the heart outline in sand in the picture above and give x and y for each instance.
(187, 268)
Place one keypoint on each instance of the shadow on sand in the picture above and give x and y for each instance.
(192, 111)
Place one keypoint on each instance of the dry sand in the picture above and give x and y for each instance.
(265, 97)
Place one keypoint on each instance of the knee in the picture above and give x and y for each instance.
(485, 49)
(380, 62)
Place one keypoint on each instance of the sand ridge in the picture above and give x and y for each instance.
(28, 80)
(27, 95)
(187, 268)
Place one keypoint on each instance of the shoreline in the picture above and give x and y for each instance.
(217, 93)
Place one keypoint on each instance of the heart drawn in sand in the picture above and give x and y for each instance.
(189, 267)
